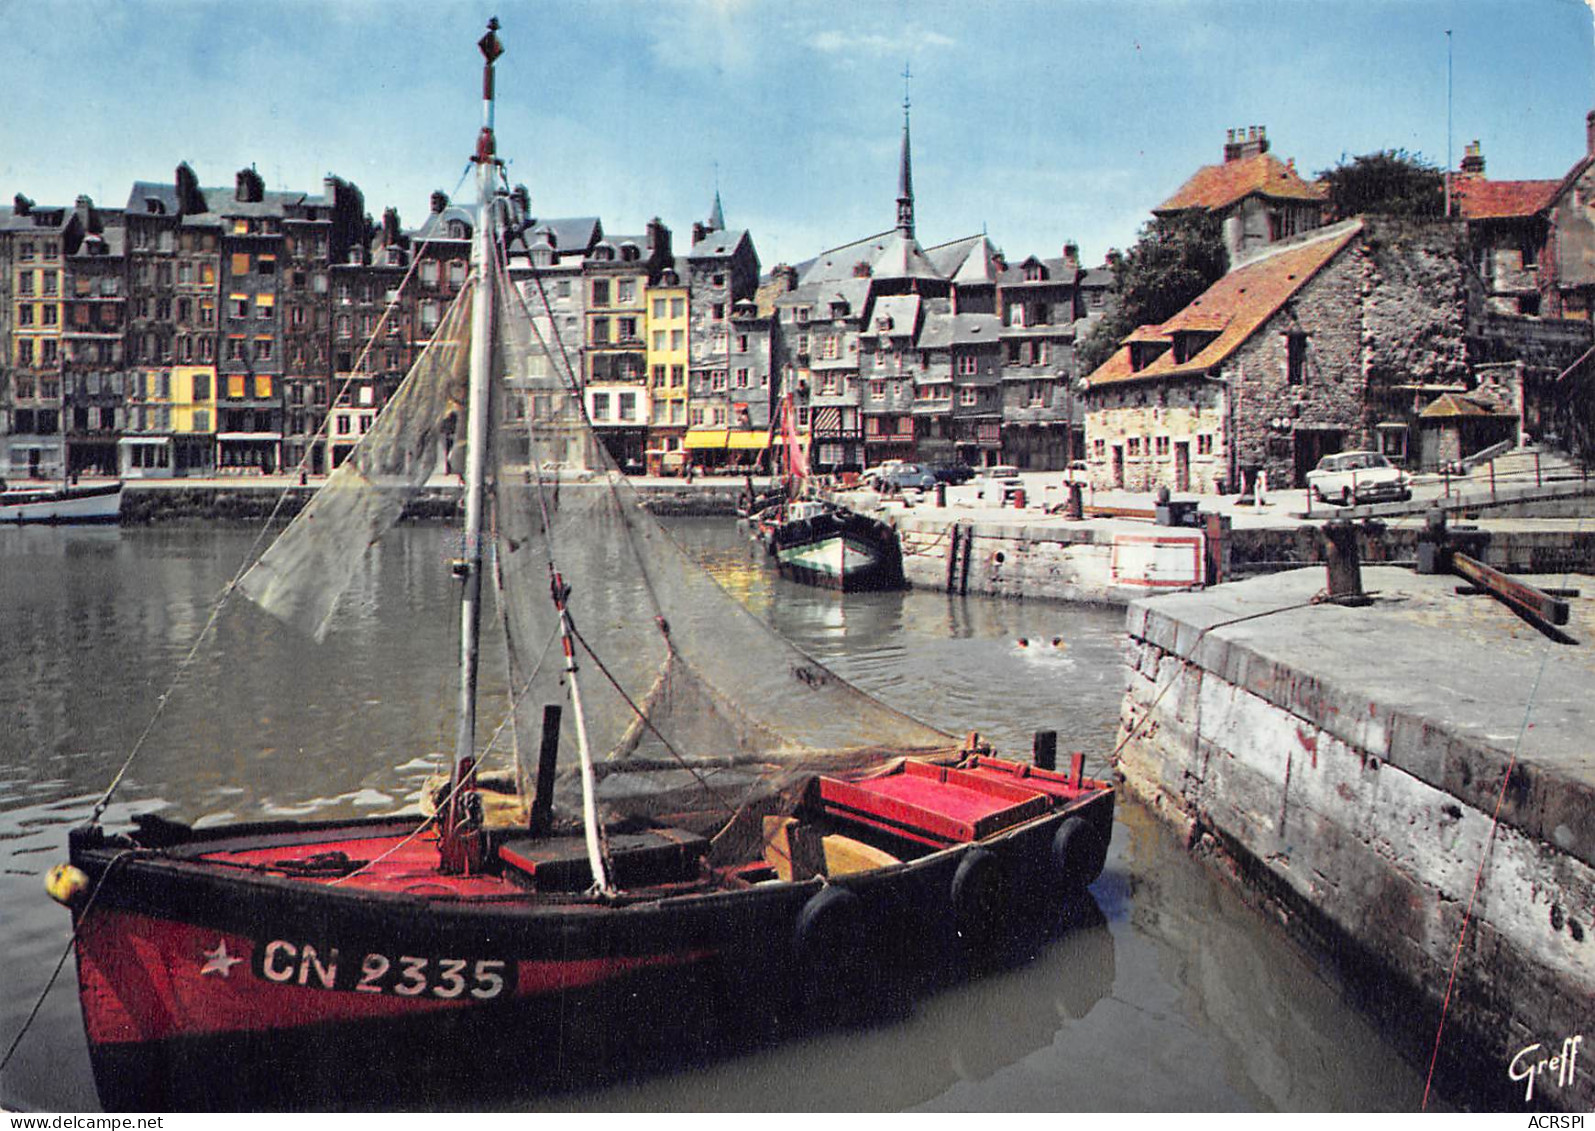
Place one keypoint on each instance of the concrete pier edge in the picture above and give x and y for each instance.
(1362, 820)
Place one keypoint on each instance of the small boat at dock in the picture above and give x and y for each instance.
(63, 504)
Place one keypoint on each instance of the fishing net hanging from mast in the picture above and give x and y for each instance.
(301, 575)
(694, 706)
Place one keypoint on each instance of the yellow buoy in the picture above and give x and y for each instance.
(66, 884)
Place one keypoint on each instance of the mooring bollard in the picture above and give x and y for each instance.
(1344, 565)
(1045, 750)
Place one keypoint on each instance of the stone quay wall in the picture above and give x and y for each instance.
(1346, 765)
(174, 501)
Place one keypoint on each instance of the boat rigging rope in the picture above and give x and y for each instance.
(646, 721)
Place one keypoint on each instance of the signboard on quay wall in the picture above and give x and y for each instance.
(1159, 561)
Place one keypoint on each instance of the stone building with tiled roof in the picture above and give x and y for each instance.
(1259, 198)
(1533, 241)
(1320, 344)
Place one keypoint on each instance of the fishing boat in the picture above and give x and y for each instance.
(816, 541)
(94, 503)
(706, 833)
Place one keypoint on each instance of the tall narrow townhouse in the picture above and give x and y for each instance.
(722, 269)
(154, 219)
(617, 275)
(668, 358)
(1040, 300)
(40, 239)
(545, 268)
(95, 376)
(317, 233)
(249, 436)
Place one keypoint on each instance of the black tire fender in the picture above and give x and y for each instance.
(829, 946)
(979, 894)
(1078, 854)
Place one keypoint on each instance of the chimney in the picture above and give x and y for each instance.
(1244, 142)
(1472, 160)
(190, 201)
(390, 227)
(440, 201)
(523, 201)
(699, 233)
(659, 241)
(1071, 255)
(785, 275)
(250, 188)
(85, 212)
(1589, 132)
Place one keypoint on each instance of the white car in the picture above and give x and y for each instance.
(1358, 477)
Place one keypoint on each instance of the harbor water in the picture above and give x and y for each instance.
(1177, 997)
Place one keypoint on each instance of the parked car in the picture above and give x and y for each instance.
(903, 477)
(872, 475)
(953, 473)
(1358, 477)
(999, 471)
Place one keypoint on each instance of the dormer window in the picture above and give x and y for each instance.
(884, 323)
(1034, 273)
(457, 230)
(1189, 343)
(1143, 354)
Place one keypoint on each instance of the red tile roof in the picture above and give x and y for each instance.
(1236, 306)
(1449, 405)
(1499, 200)
(1219, 186)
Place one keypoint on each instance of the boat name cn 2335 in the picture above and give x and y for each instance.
(403, 975)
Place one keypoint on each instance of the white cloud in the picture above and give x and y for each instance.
(906, 42)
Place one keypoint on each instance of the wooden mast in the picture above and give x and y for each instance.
(460, 848)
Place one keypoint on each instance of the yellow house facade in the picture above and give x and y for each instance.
(666, 338)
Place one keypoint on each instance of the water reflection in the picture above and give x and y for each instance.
(1178, 997)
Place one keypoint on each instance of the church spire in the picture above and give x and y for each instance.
(717, 216)
(905, 176)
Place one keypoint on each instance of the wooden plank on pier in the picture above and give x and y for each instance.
(1520, 595)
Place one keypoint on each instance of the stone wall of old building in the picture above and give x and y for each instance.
(1572, 248)
(1388, 313)
(1135, 434)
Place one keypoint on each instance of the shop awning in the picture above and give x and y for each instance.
(749, 441)
(707, 438)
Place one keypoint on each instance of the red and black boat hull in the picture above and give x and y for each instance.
(224, 987)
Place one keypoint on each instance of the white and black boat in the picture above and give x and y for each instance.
(100, 502)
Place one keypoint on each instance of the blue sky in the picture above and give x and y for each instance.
(1038, 122)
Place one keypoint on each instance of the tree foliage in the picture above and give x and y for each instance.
(1392, 183)
(1175, 259)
